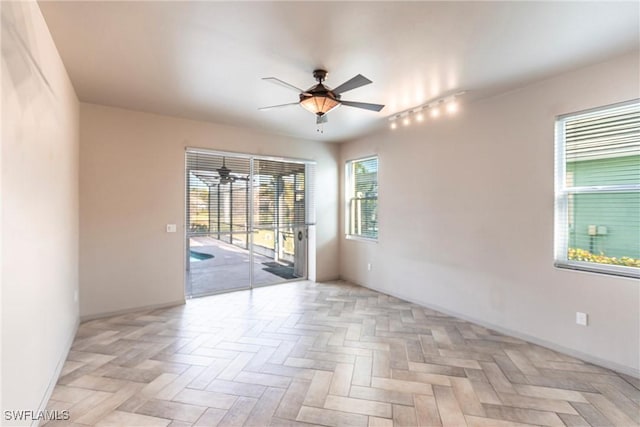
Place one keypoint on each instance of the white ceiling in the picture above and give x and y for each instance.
(205, 60)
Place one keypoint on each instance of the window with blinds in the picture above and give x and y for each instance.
(218, 191)
(362, 198)
(597, 223)
(227, 196)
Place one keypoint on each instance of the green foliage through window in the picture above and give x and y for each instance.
(598, 189)
(362, 198)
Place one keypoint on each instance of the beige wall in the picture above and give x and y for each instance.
(39, 209)
(132, 185)
(466, 219)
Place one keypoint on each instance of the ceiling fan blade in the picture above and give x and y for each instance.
(366, 106)
(354, 83)
(277, 106)
(282, 83)
(322, 119)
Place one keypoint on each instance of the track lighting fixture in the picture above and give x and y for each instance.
(432, 109)
(393, 121)
(452, 105)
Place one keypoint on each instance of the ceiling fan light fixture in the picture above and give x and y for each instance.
(319, 104)
(320, 99)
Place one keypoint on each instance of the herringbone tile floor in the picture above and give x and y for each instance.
(325, 354)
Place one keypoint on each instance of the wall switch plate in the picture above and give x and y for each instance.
(581, 318)
(369, 266)
(171, 228)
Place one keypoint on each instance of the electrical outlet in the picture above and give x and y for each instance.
(369, 266)
(582, 318)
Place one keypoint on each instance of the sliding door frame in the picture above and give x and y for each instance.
(250, 225)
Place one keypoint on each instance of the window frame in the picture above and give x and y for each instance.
(563, 193)
(348, 191)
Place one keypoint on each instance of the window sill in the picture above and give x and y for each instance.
(589, 267)
(361, 238)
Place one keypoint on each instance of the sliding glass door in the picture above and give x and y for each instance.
(247, 220)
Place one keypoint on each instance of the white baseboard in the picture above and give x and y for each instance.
(513, 333)
(56, 374)
(88, 317)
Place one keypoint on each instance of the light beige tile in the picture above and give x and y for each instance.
(205, 398)
(292, 400)
(236, 389)
(401, 386)
(421, 377)
(448, 407)
(522, 362)
(466, 397)
(318, 389)
(474, 421)
(381, 395)
(81, 408)
(239, 412)
(96, 413)
(358, 406)
(210, 418)
(98, 383)
(538, 403)
(265, 408)
(119, 419)
(549, 393)
(172, 410)
(235, 367)
(70, 394)
(328, 417)
(178, 384)
(496, 377)
(522, 415)
(485, 392)
(381, 364)
(380, 422)
(427, 411)
(263, 379)
(70, 366)
(404, 416)
(609, 410)
(341, 381)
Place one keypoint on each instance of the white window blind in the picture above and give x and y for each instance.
(597, 221)
(280, 190)
(362, 198)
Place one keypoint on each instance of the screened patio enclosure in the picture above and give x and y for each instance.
(247, 220)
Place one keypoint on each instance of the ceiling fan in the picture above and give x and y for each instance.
(226, 176)
(320, 99)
